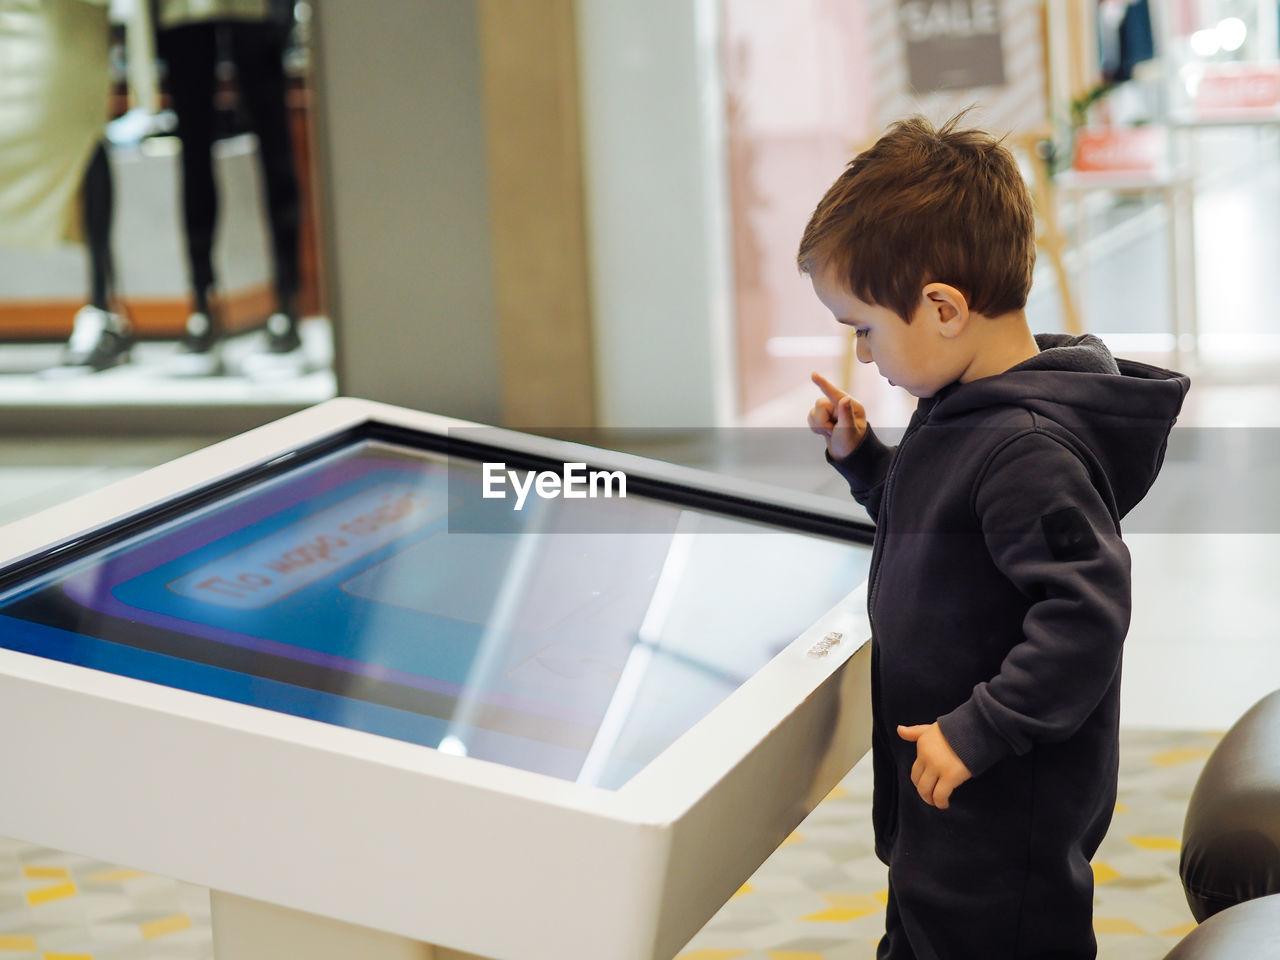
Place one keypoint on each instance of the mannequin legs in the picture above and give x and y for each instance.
(257, 49)
(100, 338)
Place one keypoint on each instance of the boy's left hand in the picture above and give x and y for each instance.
(937, 770)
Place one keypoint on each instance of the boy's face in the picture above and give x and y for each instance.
(914, 356)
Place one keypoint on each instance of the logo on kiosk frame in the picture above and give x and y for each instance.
(573, 482)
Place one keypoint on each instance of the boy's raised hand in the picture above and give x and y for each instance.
(838, 417)
(937, 770)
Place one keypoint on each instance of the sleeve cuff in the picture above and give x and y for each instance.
(864, 468)
(972, 738)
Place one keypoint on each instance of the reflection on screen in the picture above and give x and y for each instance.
(336, 591)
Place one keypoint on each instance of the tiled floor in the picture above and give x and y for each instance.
(821, 896)
(59, 906)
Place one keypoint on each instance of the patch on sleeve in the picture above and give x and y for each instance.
(1069, 534)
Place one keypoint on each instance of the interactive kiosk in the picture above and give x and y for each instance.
(338, 671)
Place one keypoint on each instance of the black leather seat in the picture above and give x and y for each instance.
(1247, 931)
(1231, 836)
(1231, 844)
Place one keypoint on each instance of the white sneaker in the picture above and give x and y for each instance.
(99, 340)
(284, 357)
(199, 353)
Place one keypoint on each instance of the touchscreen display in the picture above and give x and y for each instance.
(347, 590)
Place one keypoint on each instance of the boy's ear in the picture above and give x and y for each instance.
(948, 306)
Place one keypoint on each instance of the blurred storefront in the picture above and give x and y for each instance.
(44, 288)
(585, 212)
(1157, 238)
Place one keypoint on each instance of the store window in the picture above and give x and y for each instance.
(1223, 56)
(796, 82)
(158, 235)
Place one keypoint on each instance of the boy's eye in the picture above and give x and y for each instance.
(860, 331)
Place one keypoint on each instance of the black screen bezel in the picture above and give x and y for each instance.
(734, 505)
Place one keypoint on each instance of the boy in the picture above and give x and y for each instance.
(999, 586)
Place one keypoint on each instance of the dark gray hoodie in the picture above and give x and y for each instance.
(999, 591)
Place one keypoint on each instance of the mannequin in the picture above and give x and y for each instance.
(100, 338)
(193, 34)
(55, 182)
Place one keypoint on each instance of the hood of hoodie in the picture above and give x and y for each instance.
(1122, 411)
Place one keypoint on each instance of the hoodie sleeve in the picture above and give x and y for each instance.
(1049, 532)
(865, 469)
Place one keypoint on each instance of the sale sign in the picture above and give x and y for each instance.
(1226, 88)
(1120, 149)
(952, 44)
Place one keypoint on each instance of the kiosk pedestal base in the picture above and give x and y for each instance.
(251, 930)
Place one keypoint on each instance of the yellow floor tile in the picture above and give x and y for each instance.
(1116, 925)
(1170, 758)
(855, 901)
(1156, 843)
(837, 915)
(793, 955)
(743, 891)
(711, 954)
(116, 876)
(17, 944)
(58, 891)
(794, 838)
(158, 928)
(1181, 931)
(46, 873)
(1103, 872)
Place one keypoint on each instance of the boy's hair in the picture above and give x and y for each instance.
(924, 205)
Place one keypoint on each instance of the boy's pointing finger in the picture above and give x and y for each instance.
(833, 392)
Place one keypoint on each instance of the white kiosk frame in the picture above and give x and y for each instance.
(324, 842)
